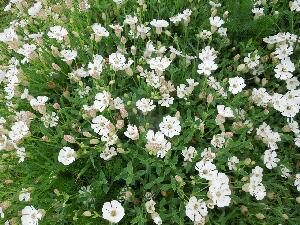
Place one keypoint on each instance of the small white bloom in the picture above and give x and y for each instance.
(102, 101)
(24, 195)
(113, 211)
(189, 153)
(159, 24)
(170, 126)
(145, 105)
(207, 170)
(196, 209)
(68, 55)
(108, 153)
(57, 32)
(132, 132)
(66, 155)
(236, 84)
(30, 216)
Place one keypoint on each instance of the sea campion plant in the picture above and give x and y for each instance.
(150, 112)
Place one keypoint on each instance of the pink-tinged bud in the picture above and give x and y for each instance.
(69, 138)
(69, 3)
(45, 138)
(87, 213)
(229, 134)
(120, 150)
(56, 67)
(120, 124)
(94, 141)
(133, 50)
(178, 178)
(56, 106)
(128, 194)
(140, 69)
(123, 113)
(177, 115)
(112, 82)
(210, 98)
(86, 134)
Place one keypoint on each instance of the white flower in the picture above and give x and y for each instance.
(236, 84)
(292, 83)
(101, 125)
(268, 136)
(102, 101)
(157, 144)
(130, 20)
(159, 64)
(225, 111)
(283, 51)
(256, 188)
(99, 30)
(66, 155)
(252, 60)
(297, 181)
(18, 130)
(57, 32)
(260, 97)
(150, 206)
(170, 126)
(218, 140)
(285, 172)
(50, 120)
(145, 105)
(207, 170)
(35, 9)
(295, 5)
(118, 103)
(208, 65)
(270, 159)
(216, 21)
(1, 213)
(39, 103)
(113, 211)
(189, 153)
(205, 34)
(9, 34)
(132, 132)
(208, 54)
(196, 209)
(219, 191)
(284, 69)
(24, 196)
(166, 100)
(95, 68)
(118, 2)
(232, 163)
(222, 31)
(108, 153)
(159, 24)
(156, 218)
(142, 30)
(184, 91)
(30, 216)
(68, 55)
(27, 50)
(118, 61)
(258, 12)
(21, 154)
